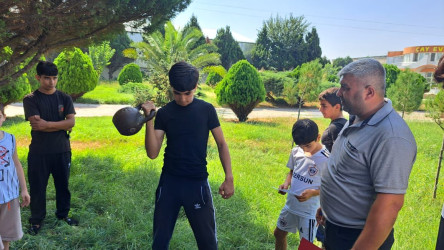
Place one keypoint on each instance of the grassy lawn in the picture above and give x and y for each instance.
(106, 93)
(113, 184)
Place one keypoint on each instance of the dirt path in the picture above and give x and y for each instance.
(88, 110)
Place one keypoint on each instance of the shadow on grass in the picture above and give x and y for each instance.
(115, 209)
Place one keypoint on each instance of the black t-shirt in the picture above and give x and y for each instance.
(54, 107)
(186, 130)
(331, 133)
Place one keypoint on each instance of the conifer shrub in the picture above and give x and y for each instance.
(15, 91)
(241, 89)
(130, 73)
(76, 73)
(213, 78)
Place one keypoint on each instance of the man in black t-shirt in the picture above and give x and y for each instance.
(51, 116)
(186, 123)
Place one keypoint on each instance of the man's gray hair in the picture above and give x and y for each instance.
(368, 69)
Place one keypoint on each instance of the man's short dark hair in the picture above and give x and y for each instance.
(183, 76)
(330, 96)
(47, 68)
(304, 131)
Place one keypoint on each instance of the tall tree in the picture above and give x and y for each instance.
(286, 44)
(391, 74)
(341, 62)
(30, 28)
(407, 92)
(119, 44)
(309, 80)
(314, 50)
(229, 50)
(192, 23)
(100, 55)
(260, 55)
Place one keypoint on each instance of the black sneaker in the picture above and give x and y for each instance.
(34, 229)
(70, 221)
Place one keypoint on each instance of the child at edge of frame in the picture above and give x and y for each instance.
(306, 162)
(12, 179)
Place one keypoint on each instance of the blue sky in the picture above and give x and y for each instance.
(346, 28)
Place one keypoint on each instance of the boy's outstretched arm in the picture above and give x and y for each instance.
(226, 190)
(153, 138)
(21, 176)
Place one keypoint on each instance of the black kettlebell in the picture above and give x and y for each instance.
(129, 120)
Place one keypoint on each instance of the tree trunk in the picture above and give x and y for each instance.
(439, 168)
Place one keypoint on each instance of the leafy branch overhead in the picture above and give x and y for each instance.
(29, 28)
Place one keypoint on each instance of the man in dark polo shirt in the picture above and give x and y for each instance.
(51, 116)
(363, 187)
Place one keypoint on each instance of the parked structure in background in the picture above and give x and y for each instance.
(421, 59)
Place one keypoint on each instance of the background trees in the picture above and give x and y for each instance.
(241, 89)
(100, 55)
(282, 44)
(229, 50)
(391, 74)
(29, 28)
(341, 62)
(407, 92)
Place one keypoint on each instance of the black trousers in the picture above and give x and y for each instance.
(440, 240)
(195, 197)
(40, 166)
(343, 238)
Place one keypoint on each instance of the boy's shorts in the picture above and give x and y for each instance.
(291, 223)
(10, 221)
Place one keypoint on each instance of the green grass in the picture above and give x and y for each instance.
(106, 93)
(113, 184)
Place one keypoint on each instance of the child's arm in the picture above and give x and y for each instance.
(287, 182)
(226, 190)
(307, 194)
(21, 176)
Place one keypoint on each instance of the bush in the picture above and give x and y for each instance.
(274, 83)
(15, 91)
(142, 92)
(241, 89)
(130, 73)
(213, 78)
(76, 73)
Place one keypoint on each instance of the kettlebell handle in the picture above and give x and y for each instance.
(150, 115)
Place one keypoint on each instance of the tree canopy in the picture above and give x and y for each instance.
(229, 50)
(30, 28)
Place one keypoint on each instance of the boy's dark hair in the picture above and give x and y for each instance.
(183, 76)
(2, 108)
(47, 68)
(330, 96)
(304, 131)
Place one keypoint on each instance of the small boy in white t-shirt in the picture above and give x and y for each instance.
(307, 161)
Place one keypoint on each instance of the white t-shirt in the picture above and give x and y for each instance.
(306, 175)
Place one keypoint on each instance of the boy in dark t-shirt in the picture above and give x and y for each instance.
(330, 107)
(186, 123)
(51, 115)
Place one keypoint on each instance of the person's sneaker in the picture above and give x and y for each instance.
(34, 229)
(70, 221)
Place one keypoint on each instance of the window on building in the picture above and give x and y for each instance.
(415, 57)
(432, 57)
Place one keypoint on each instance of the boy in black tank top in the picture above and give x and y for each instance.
(186, 123)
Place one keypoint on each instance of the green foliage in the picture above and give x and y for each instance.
(130, 73)
(407, 92)
(142, 92)
(435, 109)
(391, 74)
(314, 50)
(192, 23)
(15, 91)
(161, 51)
(241, 89)
(281, 44)
(119, 44)
(76, 73)
(341, 62)
(274, 83)
(213, 79)
(229, 50)
(214, 74)
(100, 55)
(330, 73)
(309, 81)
